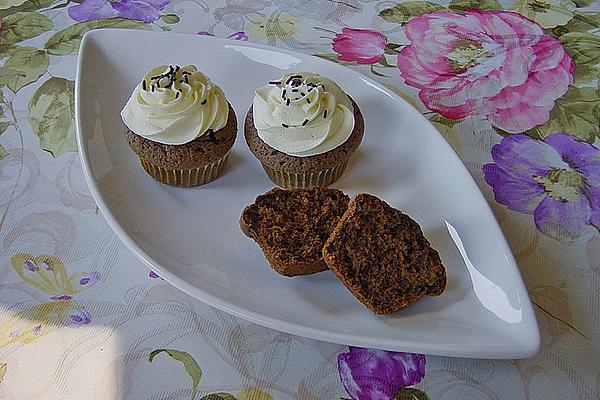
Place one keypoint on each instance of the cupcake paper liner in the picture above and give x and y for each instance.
(290, 180)
(186, 177)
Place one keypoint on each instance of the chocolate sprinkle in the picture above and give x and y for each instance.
(325, 114)
(283, 94)
(203, 102)
(287, 102)
(292, 77)
(144, 85)
(285, 125)
(295, 90)
(304, 122)
(177, 95)
(308, 100)
(275, 83)
(302, 94)
(152, 87)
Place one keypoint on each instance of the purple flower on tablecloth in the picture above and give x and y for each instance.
(29, 265)
(154, 275)
(365, 46)
(558, 181)
(378, 375)
(142, 10)
(89, 279)
(81, 318)
(235, 35)
(61, 297)
(495, 64)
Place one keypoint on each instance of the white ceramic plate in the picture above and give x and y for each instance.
(191, 237)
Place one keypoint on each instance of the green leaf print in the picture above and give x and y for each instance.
(67, 40)
(24, 66)
(191, 366)
(402, 12)
(585, 74)
(576, 113)
(30, 5)
(51, 116)
(411, 394)
(170, 18)
(583, 47)
(218, 396)
(438, 119)
(583, 22)
(334, 58)
(4, 126)
(23, 25)
(583, 3)
(2, 365)
(462, 5)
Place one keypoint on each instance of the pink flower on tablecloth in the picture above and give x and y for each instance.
(365, 46)
(369, 374)
(494, 64)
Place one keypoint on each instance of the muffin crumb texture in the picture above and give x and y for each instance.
(382, 257)
(291, 226)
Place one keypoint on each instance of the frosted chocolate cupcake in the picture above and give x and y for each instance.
(180, 125)
(303, 129)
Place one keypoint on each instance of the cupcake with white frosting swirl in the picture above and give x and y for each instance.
(180, 125)
(303, 129)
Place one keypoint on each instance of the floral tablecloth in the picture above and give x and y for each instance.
(513, 85)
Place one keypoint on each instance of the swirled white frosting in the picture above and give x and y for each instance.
(304, 114)
(175, 105)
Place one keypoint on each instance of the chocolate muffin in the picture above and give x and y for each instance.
(382, 257)
(303, 129)
(291, 226)
(180, 125)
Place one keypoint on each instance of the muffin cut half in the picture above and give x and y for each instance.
(382, 257)
(291, 226)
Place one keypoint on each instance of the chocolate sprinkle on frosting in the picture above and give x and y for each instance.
(308, 100)
(283, 94)
(292, 77)
(304, 122)
(285, 125)
(275, 83)
(325, 114)
(144, 85)
(203, 102)
(287, 102)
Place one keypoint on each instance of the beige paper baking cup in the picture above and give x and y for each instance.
(186, 177)
(289, 180)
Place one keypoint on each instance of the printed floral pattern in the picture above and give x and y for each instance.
(378, 375)
(235, 35)
(528, 67)
(493, 64)
(364, 46)
(142, 10)
(547, 13)
(48, 274)
(558, 181)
